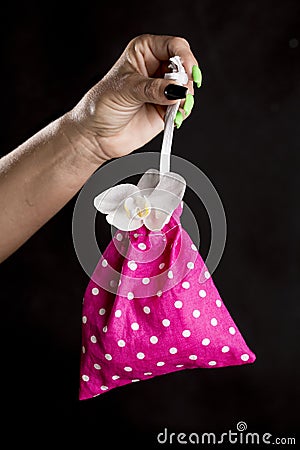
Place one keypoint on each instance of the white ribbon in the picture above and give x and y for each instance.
(157, 195)
(179, 75)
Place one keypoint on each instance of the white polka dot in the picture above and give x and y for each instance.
(140, 355)
(185, 285)
(95, 291)
(160, 364)
(128, 369)
(132, 265)
(102, 311)
(118, 313)
(119, 237)
(147, 373)
(190, 265)
(83, 349)
(207, 274)
(146, 310)
(146, 280)
(104, 329)
(113, 283)
(205, 341)
(104, 263)
(121, 343)
(218, 303)
(154, 340)
(159, 293)
(193, 247)
(119, 282)
(181, 204)
(214, 322)
(93, 339)
(135, 380)
(196, 313)
(97, 366)
(193, 357)
(161, 266)
(115, 377)
(170, 274)
(166, 323)
(84, 319)
(173, 350)
(178, 304)
(142, 246)
(135, 326)
(245, 357)
(212, 363)
(104, 388)
(231, 330)
(186, 333)
(85, 377)
(202, 293)
(179, 365)
(130, 295)
(225, 349)
(136, 235)
(108, 356)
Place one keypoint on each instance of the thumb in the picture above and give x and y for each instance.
(155, 90)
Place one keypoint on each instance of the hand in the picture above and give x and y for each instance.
(118, 115)
(126, 108)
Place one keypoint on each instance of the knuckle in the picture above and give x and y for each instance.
(132, 45)
(144, 37)
(150, 89)
(181, 41)
(136, 43)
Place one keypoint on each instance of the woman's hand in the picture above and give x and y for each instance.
(121, 113)
(126, 108)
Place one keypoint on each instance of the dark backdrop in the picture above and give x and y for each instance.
(244, 134)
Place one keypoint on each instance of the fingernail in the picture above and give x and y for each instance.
(175, 92)
(178, 119)
(188, 104)
(197, 75)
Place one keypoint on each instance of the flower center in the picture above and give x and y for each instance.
(137, 206)
(143, 212)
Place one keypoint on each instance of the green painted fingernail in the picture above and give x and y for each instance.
(188, 104)
(197, 75)
(178, 119)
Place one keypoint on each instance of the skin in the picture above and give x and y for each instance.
(120, 114)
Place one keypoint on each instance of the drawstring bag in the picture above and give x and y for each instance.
(151, 307)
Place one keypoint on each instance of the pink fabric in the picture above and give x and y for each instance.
(152, 308)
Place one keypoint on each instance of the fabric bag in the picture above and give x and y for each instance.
(151, 307)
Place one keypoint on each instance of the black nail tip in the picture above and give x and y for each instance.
(175, 92)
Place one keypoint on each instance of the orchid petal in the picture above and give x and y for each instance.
(109, 200)
(148, 181)
(164, 199)
(156, 220)
(121, 221)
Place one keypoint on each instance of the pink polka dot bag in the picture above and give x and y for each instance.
(151, 307)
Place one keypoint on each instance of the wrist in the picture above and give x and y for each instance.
(83, 143)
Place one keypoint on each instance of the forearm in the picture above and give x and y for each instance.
(40, 177)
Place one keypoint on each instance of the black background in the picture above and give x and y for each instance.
(244, 134)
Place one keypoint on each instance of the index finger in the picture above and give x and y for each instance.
(164, 47)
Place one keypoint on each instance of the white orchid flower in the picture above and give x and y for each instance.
(150, 203)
